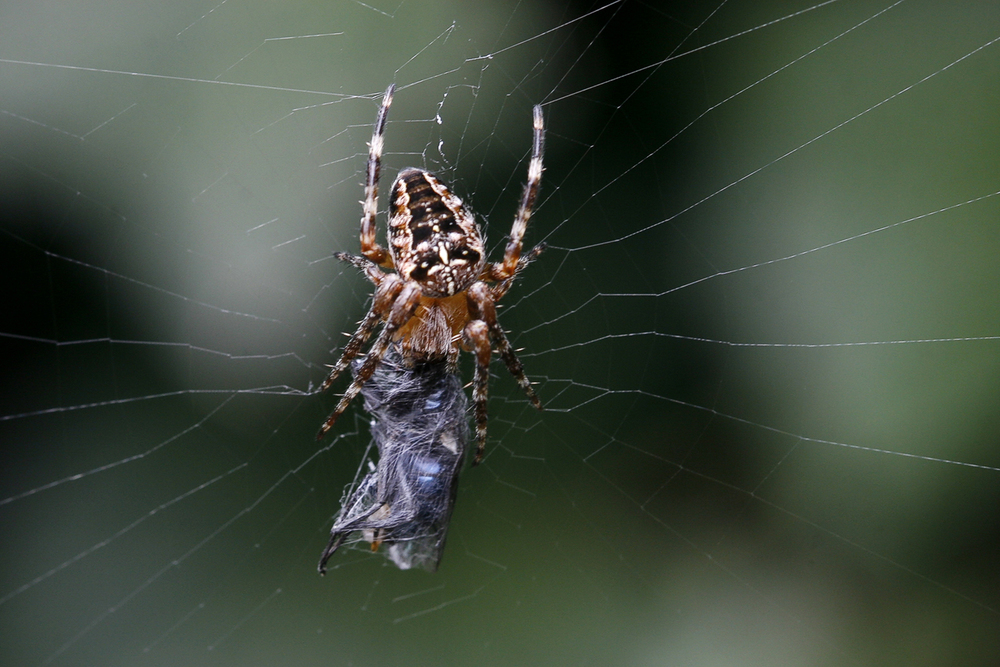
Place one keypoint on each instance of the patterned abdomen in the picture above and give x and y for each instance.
(433, 237)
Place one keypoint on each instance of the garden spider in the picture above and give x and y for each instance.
(438, 299)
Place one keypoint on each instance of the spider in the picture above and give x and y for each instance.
(442, 296)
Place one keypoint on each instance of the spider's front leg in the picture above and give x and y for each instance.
(476, 337)
(477, 334)
(403, 307)
(388, 288)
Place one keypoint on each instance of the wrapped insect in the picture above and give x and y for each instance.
(420, 428)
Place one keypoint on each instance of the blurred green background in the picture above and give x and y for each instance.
(767, 331)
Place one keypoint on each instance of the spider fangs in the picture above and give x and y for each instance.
(442, 296)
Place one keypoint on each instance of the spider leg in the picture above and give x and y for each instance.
(385, 296)
(511, 258)
(476, 336)
(482, 308)
(500, 289)
(369, 246)
(368, 267)
(402, 310)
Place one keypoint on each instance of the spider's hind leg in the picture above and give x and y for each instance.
(512, 253)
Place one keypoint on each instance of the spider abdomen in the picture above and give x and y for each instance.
(433, 237)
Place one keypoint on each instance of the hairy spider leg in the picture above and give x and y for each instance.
(510, 265)
(370, 248)
(476, 337)
(498, 290)
(482, 308)
(402, 310)
(388, 288)
(368, 267)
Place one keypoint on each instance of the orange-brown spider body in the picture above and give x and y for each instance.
(442, 296)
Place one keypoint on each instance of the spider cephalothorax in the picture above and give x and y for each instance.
(442, 296)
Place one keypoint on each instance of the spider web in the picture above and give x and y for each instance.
(766, 331)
